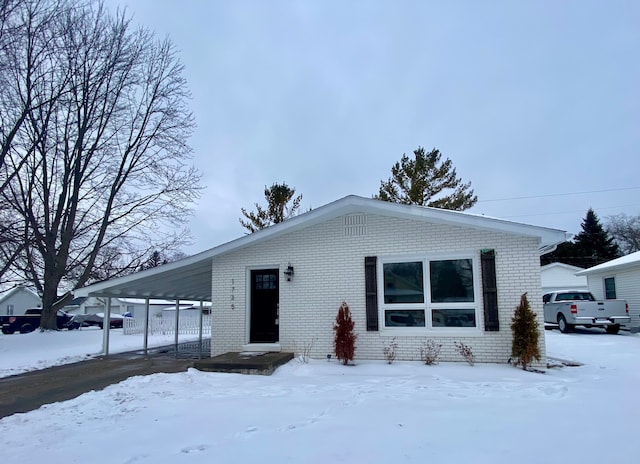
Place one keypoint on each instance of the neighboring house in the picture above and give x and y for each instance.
(134, 306)
(408, 273)
(618, 278)
(560, 276)
(18, 300)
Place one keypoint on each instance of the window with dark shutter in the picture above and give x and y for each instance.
(489, 290)
(371, 293)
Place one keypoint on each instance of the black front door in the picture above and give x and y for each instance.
(264, 306)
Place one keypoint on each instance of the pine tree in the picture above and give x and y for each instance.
(525, 334)
(345, 340)
(278, 208)
(425, 180)
(594, 242)
(590, 247)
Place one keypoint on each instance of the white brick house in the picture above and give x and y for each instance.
(407, 272)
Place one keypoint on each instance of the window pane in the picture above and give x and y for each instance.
(610, 288)
(404, 318)
(454, 317)
(403, 283)
(451, 281)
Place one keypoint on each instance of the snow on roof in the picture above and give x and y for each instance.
(14, 290)
(631, 260)
(561, 265)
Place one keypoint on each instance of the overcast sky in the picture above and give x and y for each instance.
(534, 102)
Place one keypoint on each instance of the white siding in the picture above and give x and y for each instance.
(627, 288)
(329, 267)
(21, 300)
(560, 277)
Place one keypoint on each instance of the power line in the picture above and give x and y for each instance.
(568, 212)
(559, 194)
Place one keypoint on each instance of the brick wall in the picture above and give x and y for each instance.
(328, 259)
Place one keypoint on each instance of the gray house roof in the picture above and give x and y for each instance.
(625, 262)
(191, 278)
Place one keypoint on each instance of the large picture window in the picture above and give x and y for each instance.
(430, 293)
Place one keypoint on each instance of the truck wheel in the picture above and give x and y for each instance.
(563, 325)
(26, 328)
(7, 331)
(613, 329)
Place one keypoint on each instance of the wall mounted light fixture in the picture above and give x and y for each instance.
(288, 272)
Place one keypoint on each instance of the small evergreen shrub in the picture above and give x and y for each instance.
(345, 340)
(465, 351)
(429, 352)
(524, 326)
(390, 351)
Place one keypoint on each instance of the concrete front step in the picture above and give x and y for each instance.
(261, 363)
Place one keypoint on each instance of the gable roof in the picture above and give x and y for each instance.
(5, 296)
(625, 262)
(193, 282)
(564, 266)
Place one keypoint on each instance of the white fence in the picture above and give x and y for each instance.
(187, 324)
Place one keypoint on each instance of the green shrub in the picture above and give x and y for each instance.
(525, 334)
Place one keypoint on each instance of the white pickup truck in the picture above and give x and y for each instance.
(569, 308)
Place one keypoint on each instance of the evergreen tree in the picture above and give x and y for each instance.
(278, 209)
(425, 180)
(593, 241)
(345, 340)
(525, 334)
(590, 247)
(155, 259)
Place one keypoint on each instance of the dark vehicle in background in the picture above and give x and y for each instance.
(30, 321)
(116, 321)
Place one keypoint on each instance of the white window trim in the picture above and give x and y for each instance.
(427, 306)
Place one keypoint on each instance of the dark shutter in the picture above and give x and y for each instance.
(489, 290)
(371, 292)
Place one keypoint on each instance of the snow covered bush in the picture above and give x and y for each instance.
(345, 340)
(524, 326)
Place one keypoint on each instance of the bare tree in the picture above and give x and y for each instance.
(625, 230)
(101, 160)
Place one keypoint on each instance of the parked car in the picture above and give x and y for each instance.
(116, 321)
(569, 308)
(30, 321)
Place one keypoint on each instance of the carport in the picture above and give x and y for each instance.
(186, 279)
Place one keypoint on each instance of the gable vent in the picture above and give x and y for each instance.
(355, 224)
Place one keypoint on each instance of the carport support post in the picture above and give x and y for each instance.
(177, 326)
(146, 325)
(200, 333)
(106, 325)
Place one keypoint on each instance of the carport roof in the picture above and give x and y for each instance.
(191, 278)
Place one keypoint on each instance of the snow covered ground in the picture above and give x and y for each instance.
(323, 412)
(37, 350)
